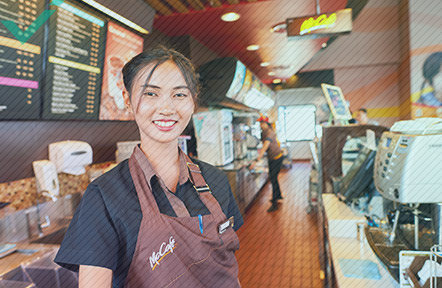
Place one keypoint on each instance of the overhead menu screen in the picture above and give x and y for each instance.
(75, 63)
(20, 59)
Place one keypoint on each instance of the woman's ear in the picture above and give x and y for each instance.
(126, 97)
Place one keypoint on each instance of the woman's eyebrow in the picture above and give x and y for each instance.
(181, 87)
(150, 86)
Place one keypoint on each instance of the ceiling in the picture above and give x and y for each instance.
(201, 19)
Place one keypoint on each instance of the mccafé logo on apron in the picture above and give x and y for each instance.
(165, 249)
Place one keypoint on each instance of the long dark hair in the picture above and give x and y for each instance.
(158, 56)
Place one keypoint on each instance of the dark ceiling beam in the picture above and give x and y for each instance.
(215, 3)
(159, 7)
(178, 6)
(196, 4)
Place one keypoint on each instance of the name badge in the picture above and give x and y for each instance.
(223, 226)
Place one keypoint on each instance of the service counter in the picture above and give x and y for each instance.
(245, 183)
(352, 261)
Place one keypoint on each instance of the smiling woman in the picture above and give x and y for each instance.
(153, 221)
(162, 103)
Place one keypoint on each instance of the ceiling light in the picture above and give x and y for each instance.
(271, 73)
(116, 16)
(265, 64)
(252, 47)
(277, 81)
(324, 45)
(230, 17)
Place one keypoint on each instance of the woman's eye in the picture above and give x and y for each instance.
(180, 95)
(149, 93)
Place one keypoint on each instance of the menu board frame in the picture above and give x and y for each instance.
(41, 85)
(66, 65)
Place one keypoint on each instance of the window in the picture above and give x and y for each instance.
(297, 123)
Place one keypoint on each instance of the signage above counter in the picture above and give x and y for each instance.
(323, 25)
(75, 64)
(54, 66)
(20, 63)
(229, 83)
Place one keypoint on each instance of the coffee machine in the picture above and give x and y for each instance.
(408, 170)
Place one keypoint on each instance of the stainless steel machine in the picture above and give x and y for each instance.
(408, 169)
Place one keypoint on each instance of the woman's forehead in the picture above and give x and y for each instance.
(149, 70)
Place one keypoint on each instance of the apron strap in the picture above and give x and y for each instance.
(196, 177)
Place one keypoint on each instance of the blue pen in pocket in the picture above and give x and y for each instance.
(200, 219)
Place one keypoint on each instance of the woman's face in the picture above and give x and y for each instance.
(163, 106)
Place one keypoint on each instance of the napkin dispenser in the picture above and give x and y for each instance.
(46, 176)
(70, 157)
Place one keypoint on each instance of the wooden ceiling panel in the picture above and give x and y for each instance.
(215, 3)
(196, 4)
(178, 6)
(159, 7)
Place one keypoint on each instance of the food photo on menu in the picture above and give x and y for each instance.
(121, 46)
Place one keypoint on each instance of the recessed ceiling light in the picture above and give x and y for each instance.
(271, 73)
(252, 47)
(265, 64)
(277, 81)
(230, 17)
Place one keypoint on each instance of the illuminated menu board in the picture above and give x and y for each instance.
(121, 46)
(75, 61)
(20, 63)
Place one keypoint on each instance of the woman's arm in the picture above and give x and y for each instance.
(93, 276)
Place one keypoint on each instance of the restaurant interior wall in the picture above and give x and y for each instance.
(366, 62)
(303, 96)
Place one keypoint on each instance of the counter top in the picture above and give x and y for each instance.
(28, 251)
(236, 165)
(355, 264)
(25, 253)
(243, 163)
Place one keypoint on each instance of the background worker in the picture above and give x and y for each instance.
(362, 118)
(275, 157)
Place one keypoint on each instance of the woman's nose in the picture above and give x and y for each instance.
(166, 106)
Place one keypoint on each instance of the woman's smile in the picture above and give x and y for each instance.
(165, 125)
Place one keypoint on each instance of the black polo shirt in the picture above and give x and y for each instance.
(104, 229)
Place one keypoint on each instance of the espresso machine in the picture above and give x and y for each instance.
(408, 171)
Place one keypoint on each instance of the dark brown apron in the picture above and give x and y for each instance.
(172, 251)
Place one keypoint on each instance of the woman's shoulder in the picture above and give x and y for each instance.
(117, 174)
(112, 183)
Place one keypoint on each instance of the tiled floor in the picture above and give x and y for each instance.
(280, 249)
